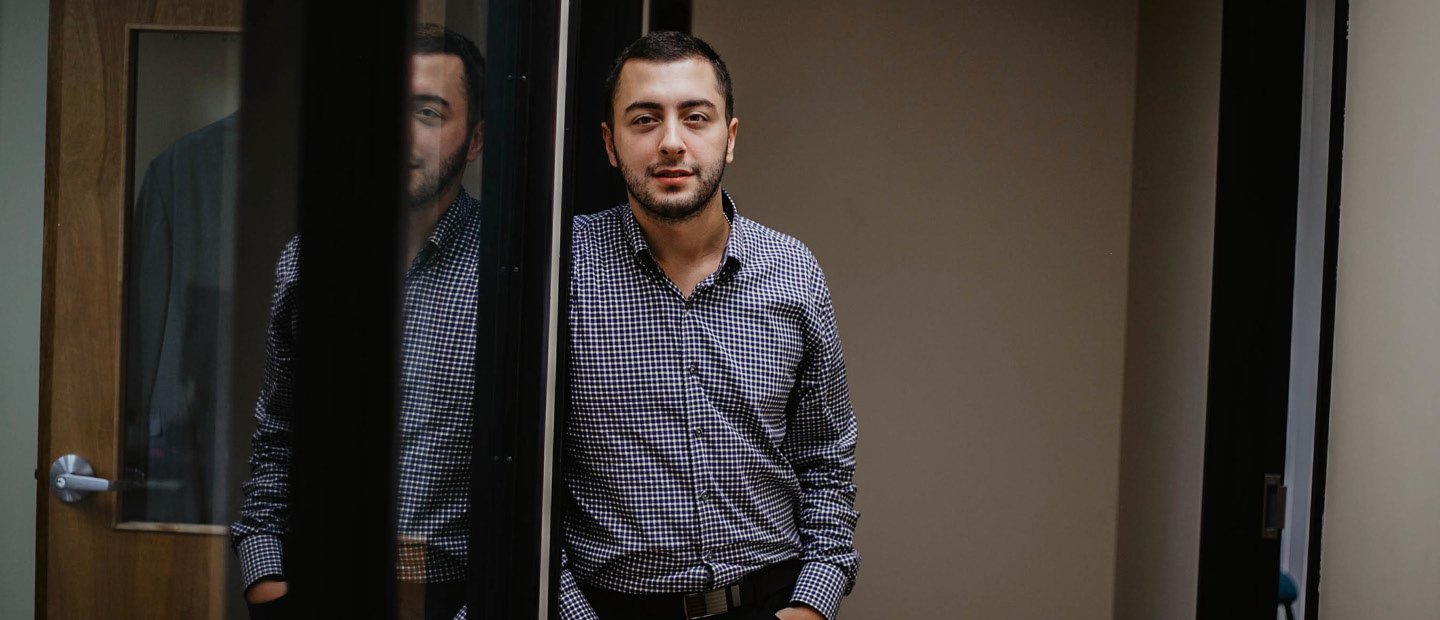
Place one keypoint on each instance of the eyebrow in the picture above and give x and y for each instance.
(684, 105)
(432, 99)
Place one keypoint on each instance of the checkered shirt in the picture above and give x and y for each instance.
(436, 414)
(710, 437)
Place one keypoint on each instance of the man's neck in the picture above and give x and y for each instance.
(420, 222)
(695, 238)
(688, 250)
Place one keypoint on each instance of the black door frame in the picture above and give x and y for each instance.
(1261, 86)
(513, 382)
(307, 85)
(1262, 76)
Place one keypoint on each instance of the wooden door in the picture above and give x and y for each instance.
(90, 562)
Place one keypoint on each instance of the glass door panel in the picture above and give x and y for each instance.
(185, 94)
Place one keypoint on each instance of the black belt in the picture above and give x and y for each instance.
(693, 605)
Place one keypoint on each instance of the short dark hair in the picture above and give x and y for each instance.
(669, 46)
(437, 39)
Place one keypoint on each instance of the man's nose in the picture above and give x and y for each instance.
(671, 142)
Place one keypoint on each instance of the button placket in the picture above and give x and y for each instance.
(694, 408)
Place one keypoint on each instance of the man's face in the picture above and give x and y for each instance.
(440, 144)
(670, 138)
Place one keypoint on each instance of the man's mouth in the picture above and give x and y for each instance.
(672, 175)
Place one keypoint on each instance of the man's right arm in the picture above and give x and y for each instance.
(573, 604)
(264, 514)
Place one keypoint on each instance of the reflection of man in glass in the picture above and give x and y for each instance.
(174, 294)
(442, 243)
(710, 445)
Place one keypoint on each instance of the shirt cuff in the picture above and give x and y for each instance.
(820, 585)
(573, 604)
(261, 556)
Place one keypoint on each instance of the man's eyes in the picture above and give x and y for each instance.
(428, 115)
(692, 118)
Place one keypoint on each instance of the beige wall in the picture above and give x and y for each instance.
(962, 171)
(1381, 553)
(1168, 324)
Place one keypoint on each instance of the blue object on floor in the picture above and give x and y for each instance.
(1287, 595)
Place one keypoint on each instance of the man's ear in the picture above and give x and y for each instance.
(609, 139)
(730, 140)
(477, 141)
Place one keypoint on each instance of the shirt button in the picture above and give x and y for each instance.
(696, 433)
(704, 495)
(694, 369)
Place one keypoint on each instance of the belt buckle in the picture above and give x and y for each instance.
(707, 604)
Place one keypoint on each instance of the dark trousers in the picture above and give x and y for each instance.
(278, 609)
(431, 601)
(610, 607)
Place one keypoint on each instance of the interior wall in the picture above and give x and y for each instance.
(1381, 550)
(1172, 231)
(24, 27)
(963, 173)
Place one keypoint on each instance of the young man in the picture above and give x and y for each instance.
(442, 245)
(710, 450)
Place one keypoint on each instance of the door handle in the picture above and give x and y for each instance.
(72, 479)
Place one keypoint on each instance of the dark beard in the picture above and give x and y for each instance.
(707, 184)
(432, 185)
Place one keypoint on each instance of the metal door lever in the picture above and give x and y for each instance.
(71, 479)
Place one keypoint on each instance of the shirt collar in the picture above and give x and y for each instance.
(447, 228)
(735, 246)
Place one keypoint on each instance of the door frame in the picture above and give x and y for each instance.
(516, 454)
(301, 61)
(1262, 73)
(1338, 80)
(1257, 180)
